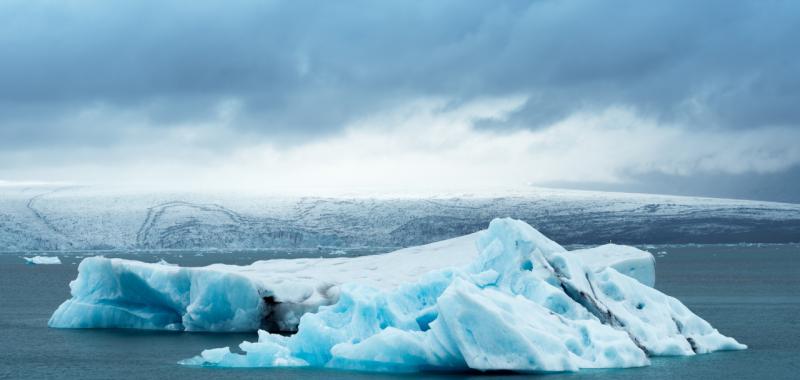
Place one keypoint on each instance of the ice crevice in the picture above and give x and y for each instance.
(506, 298)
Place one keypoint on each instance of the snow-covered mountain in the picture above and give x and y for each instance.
(81, 218)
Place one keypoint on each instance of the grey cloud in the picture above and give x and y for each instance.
(302, 69)
(777, 187)
(308, 66)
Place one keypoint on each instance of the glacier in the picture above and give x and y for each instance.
(42, 260)
(101, 219)
(506, 298)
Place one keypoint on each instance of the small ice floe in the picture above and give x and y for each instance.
(338, 252)
(41, 260)
(164, 262)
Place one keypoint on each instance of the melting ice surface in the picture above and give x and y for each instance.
(40, 260)
(505, 298)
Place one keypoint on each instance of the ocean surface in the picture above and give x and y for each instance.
(749, 292)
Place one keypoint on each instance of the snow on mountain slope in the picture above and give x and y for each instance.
(86, 218)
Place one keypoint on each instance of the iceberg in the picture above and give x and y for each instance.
(523, 304)
(39, 260)
(506, 298)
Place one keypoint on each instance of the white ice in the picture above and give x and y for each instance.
(42, 260)
(627, 260)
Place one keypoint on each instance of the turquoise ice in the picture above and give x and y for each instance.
(523, 303)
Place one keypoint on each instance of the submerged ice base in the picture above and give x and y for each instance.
(506, 298)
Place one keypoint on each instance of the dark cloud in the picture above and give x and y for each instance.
(777, 187)
(730, 63)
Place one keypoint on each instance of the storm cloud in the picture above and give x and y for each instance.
(85, 80)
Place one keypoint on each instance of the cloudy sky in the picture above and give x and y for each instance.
(681, 97)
